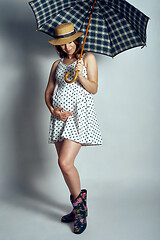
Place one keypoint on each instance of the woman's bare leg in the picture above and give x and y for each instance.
(58, 146)
(67, 151)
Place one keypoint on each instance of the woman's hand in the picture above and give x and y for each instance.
(79, 67)
(60, 115)
(90, 83)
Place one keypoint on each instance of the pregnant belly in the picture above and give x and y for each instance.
(65, 98)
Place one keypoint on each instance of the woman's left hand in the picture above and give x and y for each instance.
(79, 67)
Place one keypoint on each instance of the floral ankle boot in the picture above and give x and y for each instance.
(71, 216)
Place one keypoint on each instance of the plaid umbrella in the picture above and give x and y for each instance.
(115, 25)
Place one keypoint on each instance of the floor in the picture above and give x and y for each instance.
(116, 212)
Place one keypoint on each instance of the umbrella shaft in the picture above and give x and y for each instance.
(87, 30)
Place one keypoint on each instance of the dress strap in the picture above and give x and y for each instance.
(83, 55)
(83, 58)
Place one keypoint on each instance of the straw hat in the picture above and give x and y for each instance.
(64, 33)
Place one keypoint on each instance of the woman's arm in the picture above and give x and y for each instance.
(49, 94)
(91, 82)
(50, 87)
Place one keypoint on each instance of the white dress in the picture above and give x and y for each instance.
(82, 125)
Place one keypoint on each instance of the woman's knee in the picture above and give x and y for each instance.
(65, 165)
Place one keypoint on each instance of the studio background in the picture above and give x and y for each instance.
(121, 176)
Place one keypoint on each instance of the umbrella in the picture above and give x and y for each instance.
(113, 26)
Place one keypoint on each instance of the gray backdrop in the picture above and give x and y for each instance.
(121, 176)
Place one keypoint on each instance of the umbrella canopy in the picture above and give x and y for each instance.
(115, 25)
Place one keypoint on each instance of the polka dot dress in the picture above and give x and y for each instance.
(82, 125)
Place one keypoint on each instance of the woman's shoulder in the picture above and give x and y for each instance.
(88, 54)
(88, 58)
(55, 64)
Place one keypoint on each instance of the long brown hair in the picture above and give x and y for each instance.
(62, 54)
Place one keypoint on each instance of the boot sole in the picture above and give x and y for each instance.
(64, 221)
(82, 230)
(68, 221)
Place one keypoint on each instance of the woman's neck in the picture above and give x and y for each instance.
(71, 56)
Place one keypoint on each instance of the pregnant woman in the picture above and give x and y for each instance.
(73, 121)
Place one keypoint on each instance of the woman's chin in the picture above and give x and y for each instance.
(70, 53)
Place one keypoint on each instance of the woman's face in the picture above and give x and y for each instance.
(69, 48)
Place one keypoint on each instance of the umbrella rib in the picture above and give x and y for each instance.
(108, 32)
(129, 20)
(143, 43)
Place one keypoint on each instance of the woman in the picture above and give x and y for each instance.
(73, 121)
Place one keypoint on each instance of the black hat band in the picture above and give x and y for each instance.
(65, 35)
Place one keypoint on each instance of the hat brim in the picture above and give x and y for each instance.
(61, 41)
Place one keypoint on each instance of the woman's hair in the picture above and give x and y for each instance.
(62, 54)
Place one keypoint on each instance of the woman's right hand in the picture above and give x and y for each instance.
(60, 115)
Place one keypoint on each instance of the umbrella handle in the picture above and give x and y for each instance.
(75, 77)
